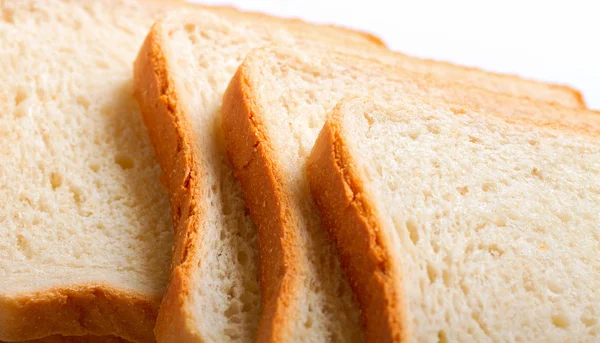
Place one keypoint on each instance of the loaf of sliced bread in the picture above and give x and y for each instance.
(457, 225)
(181, 72)
(85, 233)
(272, 112)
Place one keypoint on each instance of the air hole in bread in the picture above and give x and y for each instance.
(190, 28)
(561, 320)
(414, 135)
(442, 337)
(24, 199)
(488, 186)
(308, 323)
(463, 190)
(555, 286)
(446, 277)
(83, 101)
(78, 196)
(56, 180)
(124, 161)
(464, 288)
(95, 167)
(589, 321)
(413, 230)
(492, 249)
(537, 173)
(21, 95)
(457, 110)
(433, 128)
(431, 273)
(9, 15)
(25, 246)
(565, 216)
(474, 140)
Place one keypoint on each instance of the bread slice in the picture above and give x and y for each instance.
(462, 226)
(85, 232)
(272, 112)
(183, 68)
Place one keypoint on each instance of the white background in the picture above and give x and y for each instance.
(555, 41)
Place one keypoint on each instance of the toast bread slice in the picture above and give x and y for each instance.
(181, 71)
(272, 112)
(476, 228)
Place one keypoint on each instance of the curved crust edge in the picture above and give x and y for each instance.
(172, 138)
(352, 223)
(279, 254)
(87, 309)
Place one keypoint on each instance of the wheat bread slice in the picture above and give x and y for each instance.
(459, 225)
(85, 233)
(181, 72)
(272, 112)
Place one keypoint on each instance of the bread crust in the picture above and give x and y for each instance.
(173, 142)
(281, 271)
(86, 309)
(78, 339)
(363, 247)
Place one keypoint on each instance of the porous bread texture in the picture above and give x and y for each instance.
(491, 225)
(180, 75)
(85, 237)
(272, 112)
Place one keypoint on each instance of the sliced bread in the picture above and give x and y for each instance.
(85, 232)
(455, 225)
(272, 112)
(181, 72)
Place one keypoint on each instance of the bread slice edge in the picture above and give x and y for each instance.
(281, 270)
(173, 142)
(351, 222)
(84, 309)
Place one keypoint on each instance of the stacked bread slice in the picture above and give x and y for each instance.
(273, 111)
(443, 196)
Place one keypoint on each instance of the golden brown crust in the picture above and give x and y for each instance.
(78, 310)
(280, 267)
(77, 339)
(362, 246)
(228, 10)
(173, 141)
(172, 138)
